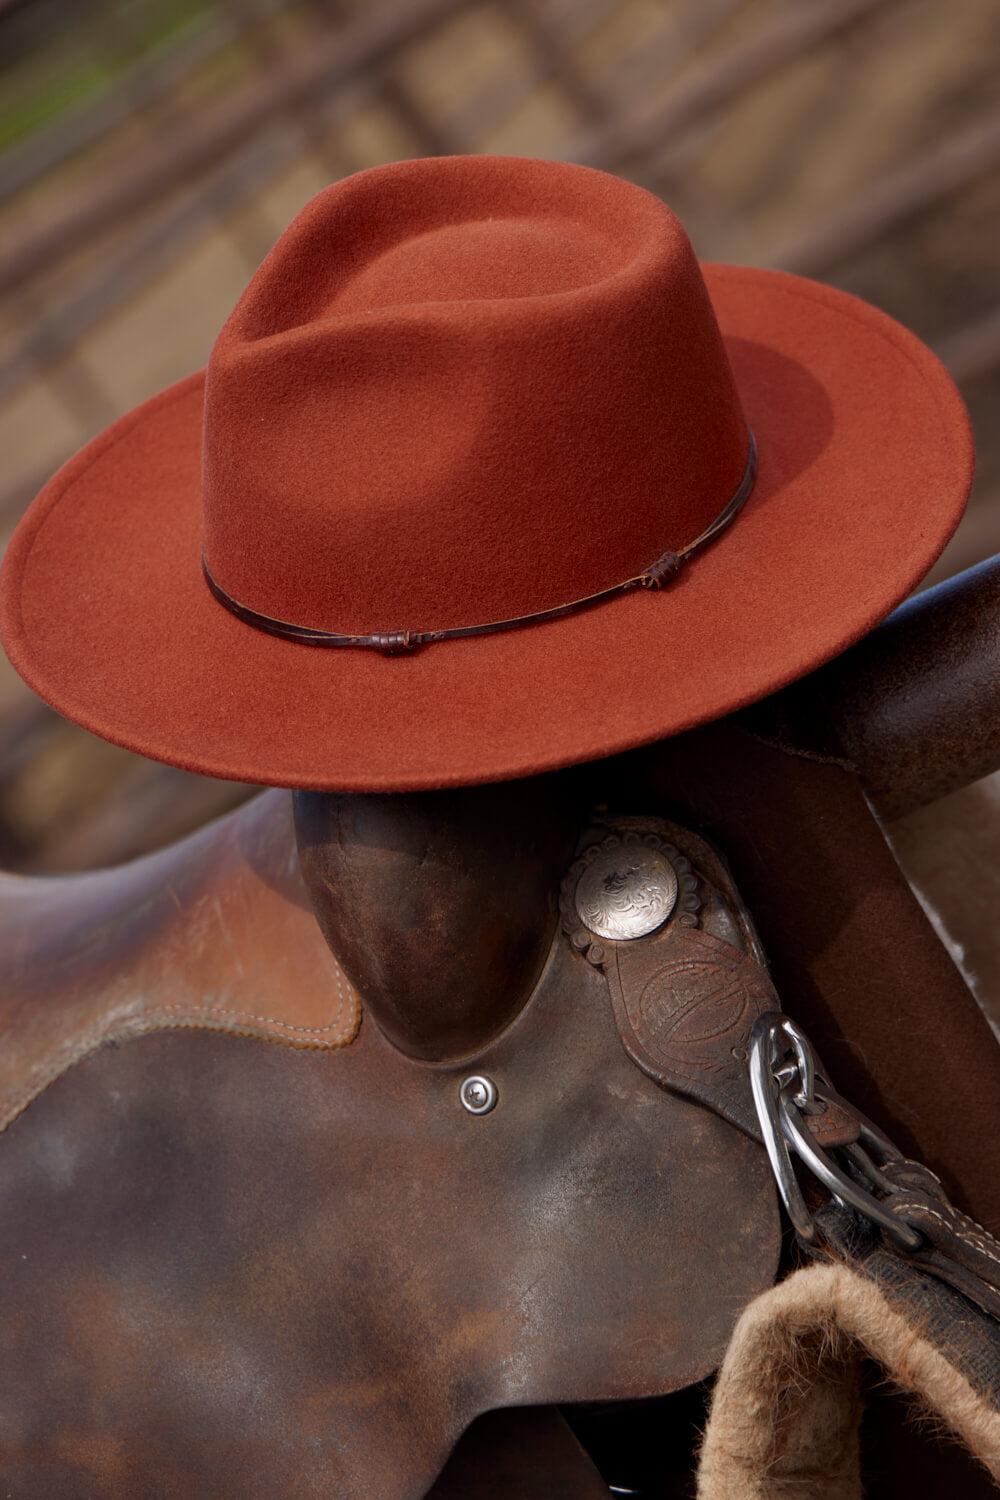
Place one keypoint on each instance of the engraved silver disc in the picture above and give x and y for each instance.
(628, 891)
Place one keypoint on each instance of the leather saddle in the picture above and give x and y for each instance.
(303, 1268)
(256, 1245)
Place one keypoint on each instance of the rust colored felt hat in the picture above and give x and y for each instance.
(461, 398)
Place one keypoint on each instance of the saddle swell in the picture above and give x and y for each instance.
(305, 1268)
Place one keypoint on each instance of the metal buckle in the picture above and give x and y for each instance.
(787, 1085)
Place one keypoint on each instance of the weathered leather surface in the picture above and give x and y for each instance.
(854, 958)
(151, 1222)
(440, 906)
(685, 996)
(860, 968)
(216, 932)
(687, 1013)
(237, 1269)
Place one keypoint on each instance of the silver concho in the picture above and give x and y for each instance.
(627, 891)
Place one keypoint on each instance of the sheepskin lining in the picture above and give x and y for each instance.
(786, 1408)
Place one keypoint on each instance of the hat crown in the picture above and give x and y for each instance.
(464, 390)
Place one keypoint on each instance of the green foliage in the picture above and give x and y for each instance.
(53, 59)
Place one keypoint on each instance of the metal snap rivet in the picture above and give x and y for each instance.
(478, 1095)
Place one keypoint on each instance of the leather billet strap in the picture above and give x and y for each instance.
(653, 906)
(396, 642)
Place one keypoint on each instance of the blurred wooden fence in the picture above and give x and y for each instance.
(854, 140)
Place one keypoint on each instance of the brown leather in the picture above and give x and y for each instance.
(915, 706)
(687, 1015)
(441, 905)
(956, 1249)
(686, 997)
(240, 1270)
(836, 1126)
(851, 953)
(212, 1183)
(216, 932)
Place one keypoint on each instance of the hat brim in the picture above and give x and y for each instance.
(865, 466)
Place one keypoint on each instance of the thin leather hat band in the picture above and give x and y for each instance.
(397, 642)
